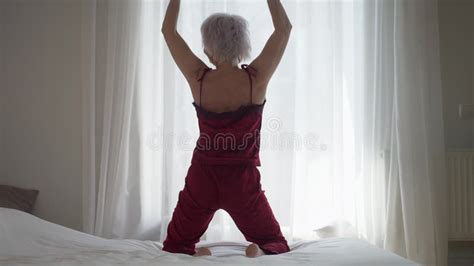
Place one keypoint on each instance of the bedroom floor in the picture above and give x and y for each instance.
(461, 253)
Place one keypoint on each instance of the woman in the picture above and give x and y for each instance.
(229, 102)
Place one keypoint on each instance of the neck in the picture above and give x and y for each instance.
(226, 66)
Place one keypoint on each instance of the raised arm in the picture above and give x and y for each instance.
(189, 64)
(268, 60)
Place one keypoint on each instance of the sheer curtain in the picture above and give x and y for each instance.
(351, 140)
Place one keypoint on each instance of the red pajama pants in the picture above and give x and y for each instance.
(235, 189)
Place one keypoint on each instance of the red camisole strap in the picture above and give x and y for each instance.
(200, 83)
(251, 72)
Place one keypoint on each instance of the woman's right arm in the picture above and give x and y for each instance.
(268, 60)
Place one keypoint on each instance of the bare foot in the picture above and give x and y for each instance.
(202, 252)
(253, 251)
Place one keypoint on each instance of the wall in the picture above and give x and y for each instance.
(2, 99)
(43, 109)
(457, 65)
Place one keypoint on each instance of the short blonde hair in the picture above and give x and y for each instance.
(226, 37)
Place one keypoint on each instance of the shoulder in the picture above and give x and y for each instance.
(201, 72)
(258, 76)
(194, 80)
(259, 83)
(197, 75)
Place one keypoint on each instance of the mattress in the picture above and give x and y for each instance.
(29, 240)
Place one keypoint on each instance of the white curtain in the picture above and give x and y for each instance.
(112, 51)
(352, 139)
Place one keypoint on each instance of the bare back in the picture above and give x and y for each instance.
(224, 91)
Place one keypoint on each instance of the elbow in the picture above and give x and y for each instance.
(163, 26)
(284, 26)
(167, 31)
(284, 29)
(167, 28)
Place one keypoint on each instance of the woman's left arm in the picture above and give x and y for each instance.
(189, 64)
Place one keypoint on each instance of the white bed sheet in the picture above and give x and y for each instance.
(28, 240)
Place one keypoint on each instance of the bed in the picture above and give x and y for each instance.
(29, 240)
